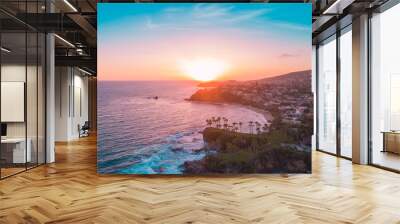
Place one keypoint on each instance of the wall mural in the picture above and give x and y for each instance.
(194, 88)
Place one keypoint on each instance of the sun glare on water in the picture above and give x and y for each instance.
(204, 70)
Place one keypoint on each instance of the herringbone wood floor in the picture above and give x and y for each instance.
(70, 191)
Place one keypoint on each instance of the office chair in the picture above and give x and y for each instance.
(84, 130)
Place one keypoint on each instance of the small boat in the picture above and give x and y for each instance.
(156, 98)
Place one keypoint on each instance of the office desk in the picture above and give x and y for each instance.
(391, 141)
(16, 147)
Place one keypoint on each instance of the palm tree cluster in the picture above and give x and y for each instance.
(223, 122)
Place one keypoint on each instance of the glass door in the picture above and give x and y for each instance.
(14, 153)
(346, 92)
(385, 89)
(32, 98)
(22, 78)
(326, 122)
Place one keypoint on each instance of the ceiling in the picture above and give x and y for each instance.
(75, 22)
(331, 15)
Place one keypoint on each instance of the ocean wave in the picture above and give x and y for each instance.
(144, 136)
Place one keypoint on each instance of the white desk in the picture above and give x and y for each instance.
(391, 141)
(19, 153)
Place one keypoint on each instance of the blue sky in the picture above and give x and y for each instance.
(292, 19)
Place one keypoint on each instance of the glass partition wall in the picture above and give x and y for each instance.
(13, 89)
(326, 104)
(334, 95)
(345, 91)
(334, 85)
(385, 89)
(22, 98)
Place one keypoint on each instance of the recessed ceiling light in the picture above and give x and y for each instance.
(70, 5)
(64, 40)
(84, 71)
(5, 50)
(337, 7)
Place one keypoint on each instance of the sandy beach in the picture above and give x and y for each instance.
(267, 115)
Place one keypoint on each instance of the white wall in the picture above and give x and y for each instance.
(71, 87)
(81, 103)
(62, 82)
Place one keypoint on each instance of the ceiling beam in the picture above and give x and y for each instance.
(77, 61)
(84, 24)
(337, 7)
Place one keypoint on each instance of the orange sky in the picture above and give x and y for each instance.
(146, 59)
(154, 51)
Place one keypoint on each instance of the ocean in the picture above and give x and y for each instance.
(138, 134)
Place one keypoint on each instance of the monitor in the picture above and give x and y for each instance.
(3, 129)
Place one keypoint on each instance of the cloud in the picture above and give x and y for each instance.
(293, 26)
(149, 24)
(202, 11)
(225, 14)
(201, 15)
(287, 55)
(247, 15)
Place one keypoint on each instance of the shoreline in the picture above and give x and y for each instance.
(266, 114)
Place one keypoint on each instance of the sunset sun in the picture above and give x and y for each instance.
(206, 69)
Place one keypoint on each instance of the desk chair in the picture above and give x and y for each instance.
(84, 130)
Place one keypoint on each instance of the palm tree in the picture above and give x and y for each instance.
(240, 126)
(234, 126)
(212, 120)
(258, 125)
(265, 127)
(225, 120)
(251, 126)
(209, 122)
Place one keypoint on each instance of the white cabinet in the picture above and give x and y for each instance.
(19, 155)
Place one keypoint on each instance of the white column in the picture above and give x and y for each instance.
(360, 90)
(50, 92)
(50, 98)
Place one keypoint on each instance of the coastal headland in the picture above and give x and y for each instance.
(281, 145)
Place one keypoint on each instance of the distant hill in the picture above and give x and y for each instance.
(259, 92)
(288, 76)
(214, 83)
(293, 77)
(298, 78)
